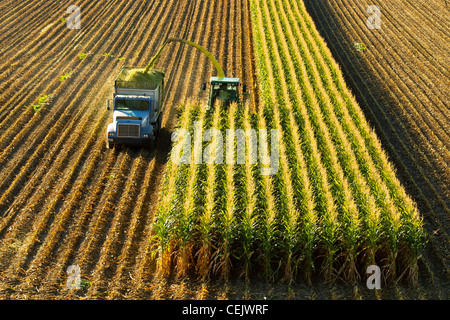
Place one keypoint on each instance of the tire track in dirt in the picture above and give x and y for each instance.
(104, 264)
(15, 21)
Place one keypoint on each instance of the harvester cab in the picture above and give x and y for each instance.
(223, 91)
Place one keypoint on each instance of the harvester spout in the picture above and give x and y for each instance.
(216, 64)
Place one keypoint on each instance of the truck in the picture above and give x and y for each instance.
(137, 108)
(223, 90)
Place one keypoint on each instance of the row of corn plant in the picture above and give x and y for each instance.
(349, 220)
(373, 162)
(379, 204)
(209, 187)
(247, 204)
(333, 207)
(326, 208)
(268, 226)
(164, 233)
(227, 203)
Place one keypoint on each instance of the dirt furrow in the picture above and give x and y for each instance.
(118, 286)
(44, 47)
(53, 282)
(114, 238)
(50, 220)
(91, 248)
(41, 182)
(432, 10)
(419, 36)
(420, 64)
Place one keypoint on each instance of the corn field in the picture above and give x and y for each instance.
(335, 205)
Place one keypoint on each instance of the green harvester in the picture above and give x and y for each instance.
(222, 90)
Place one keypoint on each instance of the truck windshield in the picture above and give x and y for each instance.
(126, 104)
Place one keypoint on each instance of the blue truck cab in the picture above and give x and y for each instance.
(137, 109)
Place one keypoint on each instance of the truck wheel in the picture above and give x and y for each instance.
(109, 145)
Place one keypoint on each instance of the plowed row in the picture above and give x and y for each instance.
(66, 200)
